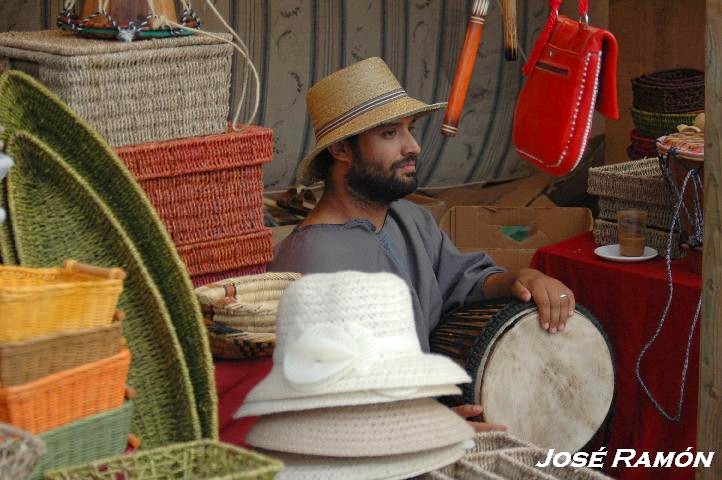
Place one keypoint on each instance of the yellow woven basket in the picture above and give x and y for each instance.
(38, 301)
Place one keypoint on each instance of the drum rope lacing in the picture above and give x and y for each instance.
(696, 236)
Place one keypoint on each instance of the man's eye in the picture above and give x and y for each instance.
(389, 133)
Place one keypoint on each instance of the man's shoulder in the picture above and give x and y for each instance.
(407, 211)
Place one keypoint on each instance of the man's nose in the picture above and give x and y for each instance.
(411, 146)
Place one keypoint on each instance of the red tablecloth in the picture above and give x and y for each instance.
(628, 300)
(234, 379)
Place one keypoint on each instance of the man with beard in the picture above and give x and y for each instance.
(367, 156)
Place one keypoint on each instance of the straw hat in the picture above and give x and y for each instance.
(363, 430)
(390, 467)
(347, 333)
(352, 100)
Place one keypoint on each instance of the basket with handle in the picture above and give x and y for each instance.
(19, 452)
(37, 301)
(66, 396)
(27, 360)
(200, 460)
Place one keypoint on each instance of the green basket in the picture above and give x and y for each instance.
(88, 439)
(198, 460)
(655, 125)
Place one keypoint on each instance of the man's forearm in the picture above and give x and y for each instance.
(499, 284)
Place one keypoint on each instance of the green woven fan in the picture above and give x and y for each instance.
(56, 216)
(26, 105)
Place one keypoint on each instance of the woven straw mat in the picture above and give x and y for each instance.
(27, 105)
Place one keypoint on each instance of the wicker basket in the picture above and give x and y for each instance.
(236, 345)
(246, 302)
(37, 301)
(655, 125)
(65, 396)
(206, 187)
(638, 181)
(669, 91)
(230, 253)
(85, 440)
(29, 360)
(208, 278)
(200, 460)
(19, 452)
(657, 216)
(605, 233)
(131, 92)
(644, 146)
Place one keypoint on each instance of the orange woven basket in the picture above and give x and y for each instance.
(38, 301)
(205, 187)
(226, 254)
(66, 396)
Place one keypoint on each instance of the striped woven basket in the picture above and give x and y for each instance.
(245, 303)
(132, 92)
(105, 183)
(207, 187)
(231, 344)
(655, 125)
(84, 440)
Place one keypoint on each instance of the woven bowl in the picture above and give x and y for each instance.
(669, 91)
(655, 125)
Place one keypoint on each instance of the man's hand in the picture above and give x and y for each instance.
(466, 411)
(555, 301)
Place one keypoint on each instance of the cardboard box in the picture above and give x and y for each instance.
(485, 228)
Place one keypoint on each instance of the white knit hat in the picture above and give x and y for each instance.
(347, 333)
(396, 428)
(391, 467)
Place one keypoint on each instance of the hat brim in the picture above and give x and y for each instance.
(389, 467)
(400, 108)
(343, 399)
(392, 372)
(362, 431)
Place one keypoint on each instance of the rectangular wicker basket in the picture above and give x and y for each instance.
(29, 360)
(38, 301)
(637, 181)
(222, 255)
(65, 396)
(605, 233)
(199, 460)
(85, 440)
(207, 187)
(131, 92)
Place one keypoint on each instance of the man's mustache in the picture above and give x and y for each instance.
(411, 158)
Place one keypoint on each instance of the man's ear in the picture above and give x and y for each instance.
(341, 151)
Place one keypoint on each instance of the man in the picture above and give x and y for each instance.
(367, 156)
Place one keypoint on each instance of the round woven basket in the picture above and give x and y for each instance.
(641, 146)
(655, 125)
(246, 303)
(669, 91)
(19, 452)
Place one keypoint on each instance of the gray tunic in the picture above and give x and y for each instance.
(409, 245)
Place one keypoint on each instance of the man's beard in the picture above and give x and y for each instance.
(369, 184)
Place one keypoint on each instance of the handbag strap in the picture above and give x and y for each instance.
(554, 5)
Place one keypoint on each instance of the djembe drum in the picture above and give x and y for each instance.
(553, 390)
(127, 19)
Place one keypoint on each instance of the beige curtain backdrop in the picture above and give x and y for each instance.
(294, 43)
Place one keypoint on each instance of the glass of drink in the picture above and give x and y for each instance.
(631, 230)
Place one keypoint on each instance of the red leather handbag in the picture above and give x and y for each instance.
(571, 71)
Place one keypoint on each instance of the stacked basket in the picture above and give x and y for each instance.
(241, 314)
(63, 361)
(208, 191)
(663, 100)
(638, 184)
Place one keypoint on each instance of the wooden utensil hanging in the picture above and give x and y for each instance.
(511, 45)
(465, 68)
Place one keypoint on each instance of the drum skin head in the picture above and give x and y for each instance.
(553, 390)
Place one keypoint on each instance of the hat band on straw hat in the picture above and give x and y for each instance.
(359, 110)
